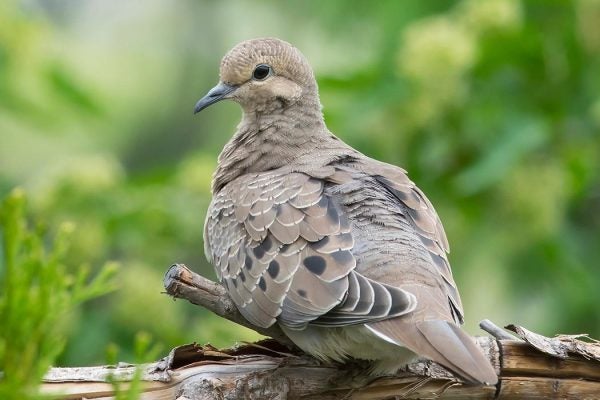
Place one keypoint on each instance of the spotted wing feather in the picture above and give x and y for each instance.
(258, 235)
(283, 249)
(425, 221)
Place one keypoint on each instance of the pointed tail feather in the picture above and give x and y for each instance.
(460, 350)
(443, 342)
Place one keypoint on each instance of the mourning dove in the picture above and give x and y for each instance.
(344, 252)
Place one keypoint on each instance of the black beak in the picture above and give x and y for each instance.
(215, 94)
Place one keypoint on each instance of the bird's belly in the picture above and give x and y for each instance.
(358, 342)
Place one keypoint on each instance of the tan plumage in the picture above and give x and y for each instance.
(344, 252)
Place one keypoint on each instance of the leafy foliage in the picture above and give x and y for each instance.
(38, 294)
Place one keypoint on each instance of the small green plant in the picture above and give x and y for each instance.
(130, 388)
(37, 294)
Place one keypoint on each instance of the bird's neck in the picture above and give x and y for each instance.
(265, 142)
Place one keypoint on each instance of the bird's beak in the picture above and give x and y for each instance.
(215, 94)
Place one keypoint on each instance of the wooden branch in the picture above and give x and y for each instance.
(495, 330)
(530, 366)
(181, 283)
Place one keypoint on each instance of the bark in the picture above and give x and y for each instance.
(530, 366)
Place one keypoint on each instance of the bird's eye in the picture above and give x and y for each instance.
(261, 72)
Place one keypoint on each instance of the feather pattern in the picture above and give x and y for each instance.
(337, 248)
(291, 259)
(425, 221)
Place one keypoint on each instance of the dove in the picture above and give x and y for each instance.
(345, 253)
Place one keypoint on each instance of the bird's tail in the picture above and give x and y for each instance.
(443, 342)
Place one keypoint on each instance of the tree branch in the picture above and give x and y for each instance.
(495, 330)
(182, 283)
(530, 367)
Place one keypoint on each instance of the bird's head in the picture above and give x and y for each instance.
(263, 75)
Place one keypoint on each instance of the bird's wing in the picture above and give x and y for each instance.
(283, 249)
(432, 330)
(425, 221)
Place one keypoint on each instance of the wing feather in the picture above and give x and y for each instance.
(425, 221)
(283, 248)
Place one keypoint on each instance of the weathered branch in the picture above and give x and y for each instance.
(495, 330)
(181, 283)
(530, 366)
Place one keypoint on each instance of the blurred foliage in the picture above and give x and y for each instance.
(492, 106)
(38, 294)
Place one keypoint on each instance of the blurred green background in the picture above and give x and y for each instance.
(492, 106)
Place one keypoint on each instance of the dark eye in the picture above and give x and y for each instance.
(261, 72)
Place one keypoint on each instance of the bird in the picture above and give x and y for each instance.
(344, 252)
